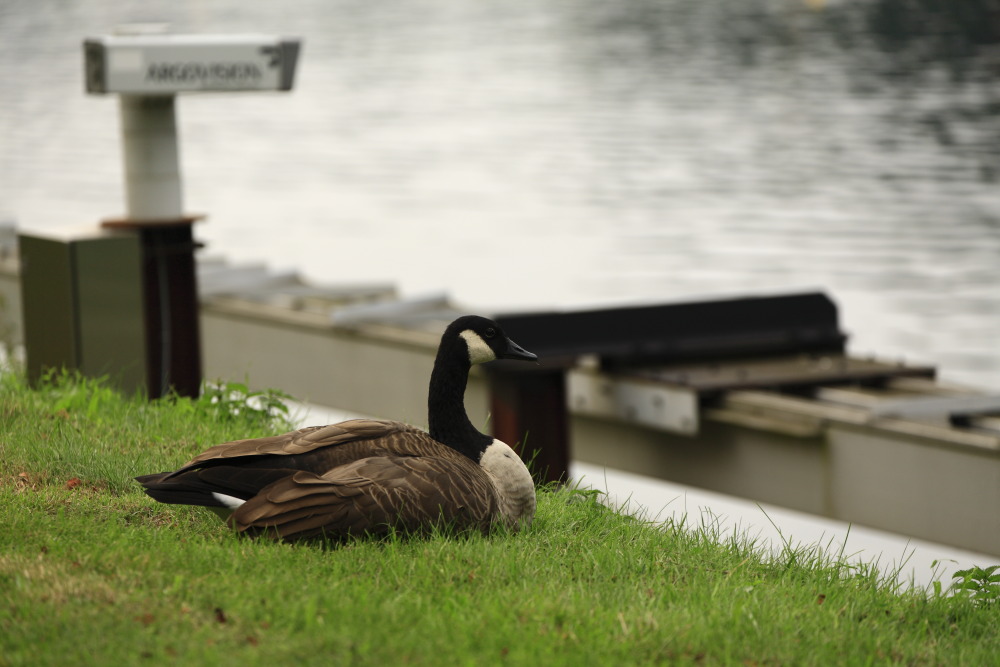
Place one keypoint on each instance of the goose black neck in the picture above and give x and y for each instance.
(448, 422)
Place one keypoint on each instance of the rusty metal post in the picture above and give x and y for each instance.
(529, 413)
(170, 296)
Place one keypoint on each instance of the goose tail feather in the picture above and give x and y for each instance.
(219, 486)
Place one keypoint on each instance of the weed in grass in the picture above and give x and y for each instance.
(235, 401)
(981, 584)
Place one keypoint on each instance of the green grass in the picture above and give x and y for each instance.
(94, 572)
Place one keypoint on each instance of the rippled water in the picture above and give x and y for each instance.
(565, 153)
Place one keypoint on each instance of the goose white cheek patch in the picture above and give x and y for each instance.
(479, 351)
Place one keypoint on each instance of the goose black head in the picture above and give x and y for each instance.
(468, 340)
(486, 341)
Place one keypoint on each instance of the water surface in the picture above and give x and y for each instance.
(567, 153)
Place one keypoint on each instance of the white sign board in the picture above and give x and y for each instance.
(169, 64)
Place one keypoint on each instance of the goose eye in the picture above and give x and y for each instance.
(490, 332)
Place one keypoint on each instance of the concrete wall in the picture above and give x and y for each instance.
(374, 371)
(916, 486)
(761, 466)
(11, 324)
(904, 483)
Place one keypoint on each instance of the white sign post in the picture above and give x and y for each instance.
(148, 71)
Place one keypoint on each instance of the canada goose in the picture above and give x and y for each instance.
(370, 476)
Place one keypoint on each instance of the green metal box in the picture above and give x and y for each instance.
(81, 295)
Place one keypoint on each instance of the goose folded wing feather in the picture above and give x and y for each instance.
(373, 495)
(302, 441)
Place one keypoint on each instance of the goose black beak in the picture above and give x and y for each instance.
(515, 351)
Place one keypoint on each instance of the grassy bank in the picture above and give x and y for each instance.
(93, 572)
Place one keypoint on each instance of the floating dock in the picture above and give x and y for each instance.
(789, 420)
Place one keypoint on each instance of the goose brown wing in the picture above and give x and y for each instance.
(381, 436)
(373, 495)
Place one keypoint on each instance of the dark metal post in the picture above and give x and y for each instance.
(529, 413)
(173, 339)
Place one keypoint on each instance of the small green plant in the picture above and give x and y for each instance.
(232, 401)
(982, 584)
(71, 392)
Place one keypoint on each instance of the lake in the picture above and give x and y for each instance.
(571, 153)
